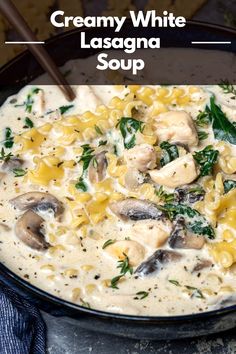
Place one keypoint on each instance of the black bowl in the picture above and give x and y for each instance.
(22, 70)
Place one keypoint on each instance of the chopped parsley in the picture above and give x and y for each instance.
(64, 109)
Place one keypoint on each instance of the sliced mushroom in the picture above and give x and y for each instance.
(132, 249)
(203, 263)
(97, 167)
(181, 238)
(136, 209)
(190, 194)
(181, 171)
(141, 157)
(156, 262)
(11, 164)
(38, 201)
(28, 230)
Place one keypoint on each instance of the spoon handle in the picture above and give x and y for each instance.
(9, 10)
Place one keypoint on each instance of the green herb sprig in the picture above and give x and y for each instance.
(19, 172)
(140, 295)
(206, 159)
(174, 282)
(164, 196)
(228, 88)
(5, 157)
(202, 135)
(203, 119)
(108, 243)
(125, 268)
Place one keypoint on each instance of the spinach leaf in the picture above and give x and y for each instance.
(223, 129)
(229, 184)
(206, 158)
(195, 222)
(86, 157)
(170, 153)
(128, 128)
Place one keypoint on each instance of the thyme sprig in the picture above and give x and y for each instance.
(125, 268)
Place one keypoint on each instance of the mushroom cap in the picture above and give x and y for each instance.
(136, 209)
(155, 262)
(11, 164)
(97, 167)
(38, 201)
(28, 230)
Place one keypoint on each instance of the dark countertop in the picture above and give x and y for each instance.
(64, 338)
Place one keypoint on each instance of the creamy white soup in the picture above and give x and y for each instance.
(123, 200)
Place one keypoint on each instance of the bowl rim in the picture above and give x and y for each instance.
(42, 294)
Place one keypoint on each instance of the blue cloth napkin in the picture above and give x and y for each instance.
(22, 329)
